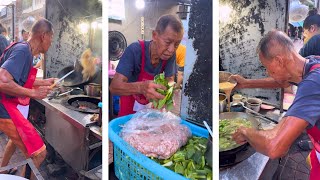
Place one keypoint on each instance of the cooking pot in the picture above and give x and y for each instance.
(222, 102)
(93, 89)
(232, 115)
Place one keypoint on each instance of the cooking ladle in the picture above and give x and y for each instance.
(262, 116)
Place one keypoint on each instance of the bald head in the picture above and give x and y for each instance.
(41, 26)
(275, 43)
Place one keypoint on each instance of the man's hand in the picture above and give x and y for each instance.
(239, 137)
(241, 81)
(148, 89)
(41, 92)
(44, 82)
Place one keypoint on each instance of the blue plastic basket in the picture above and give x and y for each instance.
(129, 163)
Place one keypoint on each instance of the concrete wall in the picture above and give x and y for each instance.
(196, 103)
(68, 43)
(130, 26)
(239, 37)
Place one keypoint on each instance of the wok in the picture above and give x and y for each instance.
(76, 78)
(232, 115)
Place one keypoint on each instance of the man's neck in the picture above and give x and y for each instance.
(34, 47)
(296, 68)
(153, 55)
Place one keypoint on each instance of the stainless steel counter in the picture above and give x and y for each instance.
(249, 169)
(76, 118)
(68, 131)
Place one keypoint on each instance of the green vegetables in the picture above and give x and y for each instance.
(226, 128)
(167, 101)
(189, 161)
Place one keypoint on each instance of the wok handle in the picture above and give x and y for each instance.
(263, 116)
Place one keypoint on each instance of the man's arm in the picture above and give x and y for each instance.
(8, 86)
(120, 86)
(44, 82)
(274, 143)
(268, 82)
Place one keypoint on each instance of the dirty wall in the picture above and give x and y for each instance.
(196, 105)
(239, 37)
(68, 42)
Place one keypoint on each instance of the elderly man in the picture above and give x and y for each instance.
(285, 66)
(17, 85)
(143, 60)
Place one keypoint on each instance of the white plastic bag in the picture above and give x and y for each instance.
(155, 134)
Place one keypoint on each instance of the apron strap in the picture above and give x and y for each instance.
(314, 67)
(143, 60)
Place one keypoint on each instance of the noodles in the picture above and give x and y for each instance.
(88, 64)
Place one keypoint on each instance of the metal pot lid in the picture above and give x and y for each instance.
(117, 45)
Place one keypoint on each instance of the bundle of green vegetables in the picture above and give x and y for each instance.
(189, 161)
(167, 102)
(226, 128)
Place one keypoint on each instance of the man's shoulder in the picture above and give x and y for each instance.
(135, 46)
(21, 47)
(314, 39)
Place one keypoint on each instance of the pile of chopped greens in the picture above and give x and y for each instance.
(167, 102)
(189, 161)
(226, 128)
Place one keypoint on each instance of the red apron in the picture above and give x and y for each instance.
(127, 102)
(314, 134)
(27, 132)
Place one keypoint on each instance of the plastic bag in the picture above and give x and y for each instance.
(155, 133)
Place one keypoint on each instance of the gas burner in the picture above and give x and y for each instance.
(82, 103)
(227, 161)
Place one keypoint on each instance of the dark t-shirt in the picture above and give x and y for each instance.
(130, 63)
(3, 43)
(17, 61)
(306, 104)
(312, 47)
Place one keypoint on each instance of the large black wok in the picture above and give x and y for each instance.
(229, 157)
(76, 78)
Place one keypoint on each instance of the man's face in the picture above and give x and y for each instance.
(275, 68)
(47, 40)
(167, 42)
(25, 36)
(308, 33)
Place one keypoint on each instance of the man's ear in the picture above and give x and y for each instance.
(313, 28)
(155, 35)
(43, 35)
(280, 61)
